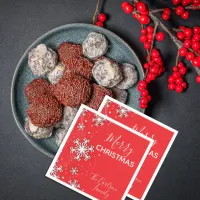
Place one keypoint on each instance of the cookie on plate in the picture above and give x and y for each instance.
(60, 134)
(120, 95)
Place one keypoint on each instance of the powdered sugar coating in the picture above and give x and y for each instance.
(37, 132)
(56, 74)
(120, 95)
(130, 76)
(95, 45)
(60, 134)
(42, 60)
(106, 72)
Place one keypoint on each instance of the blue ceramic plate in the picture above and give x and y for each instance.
(75, 33)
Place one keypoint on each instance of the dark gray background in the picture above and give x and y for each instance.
(22, 167)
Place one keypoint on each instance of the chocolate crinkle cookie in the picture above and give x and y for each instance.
(42, 60)
(56, 74)
(68, 115)
(119, 94)
(130, 76)
(37, 132)
(95, 45)
(106, 72)
(60, 134)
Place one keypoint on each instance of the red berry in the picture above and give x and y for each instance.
(196, 29)
(124, 4)
(188, 32)
(187, 43)
(147, 45)
(182, 27)
(157, 59)
(102, 17)
(180, 64)
(171, 79)
(198, 79)
(144, 93)
(160, 36)
(184, 85)
(144, 100)
(144, 19)
(196, 62)
(143, 31)
(179, 88)
(171, 86)
(189, 55)
(155, 54)
(146, 65)
(150, 29)
(142, 84)
(186, 2)
(185, 15)
(178, 81)
(143, 38)
(141, 7)
(143, 106)
(182, 51)
(180, 35)
(175, 69)
(179, 10)
(176, 2)
(183, 70)
(196, 2)
(150, 36)
(176, 75)
(99, 24)
(165, 16)
(196, 37)
(134, 16)
(196, 46)
(154, 70)
(149, 98)
(167, 11)
(128, 9)
(140, 88)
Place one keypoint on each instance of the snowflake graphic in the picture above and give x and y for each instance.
(107, 104)
(98, 121)
(83, 113)
(81, 149)
(122, 112)
(55, 170)
(74, 171)
(74, 183)
(81, 126)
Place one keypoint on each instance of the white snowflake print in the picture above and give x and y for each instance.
(74, 171)
(107, 104)
(81, 126)
(83, 113)
(122, 112)
(74, 183)
(55, 170)
(98, 121)
(81, 149)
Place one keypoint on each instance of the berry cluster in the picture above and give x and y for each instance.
(176, 81)
(140, 11)
(191, 46)
(101, 19)
(166, 13)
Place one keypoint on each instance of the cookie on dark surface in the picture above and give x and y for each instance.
(120, 95)
(45, 111)
(98, 94)
(72, 90)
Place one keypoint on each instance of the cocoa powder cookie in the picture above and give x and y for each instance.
(56, 74)
(120, 95)
(106, 72)
(42, 60)
(95, 45)
(36, 88)
(44, 111)
(80, 66)
(72, 90)
(37, 132)
(68, 50)
(97, 96)
(130, 76)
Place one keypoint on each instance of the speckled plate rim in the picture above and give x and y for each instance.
(12, 96)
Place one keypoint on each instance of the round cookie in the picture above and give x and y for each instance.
(44, 111)
(60, 134)
(95, 45)
(68, 115)
(68, 50)
(80, 66)
(72, 90)
(42, 60)
(36, 88)
(56, 74)
(97, 96)
(37, 132)
(120, 95)
(130, 76)
(106, 72)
